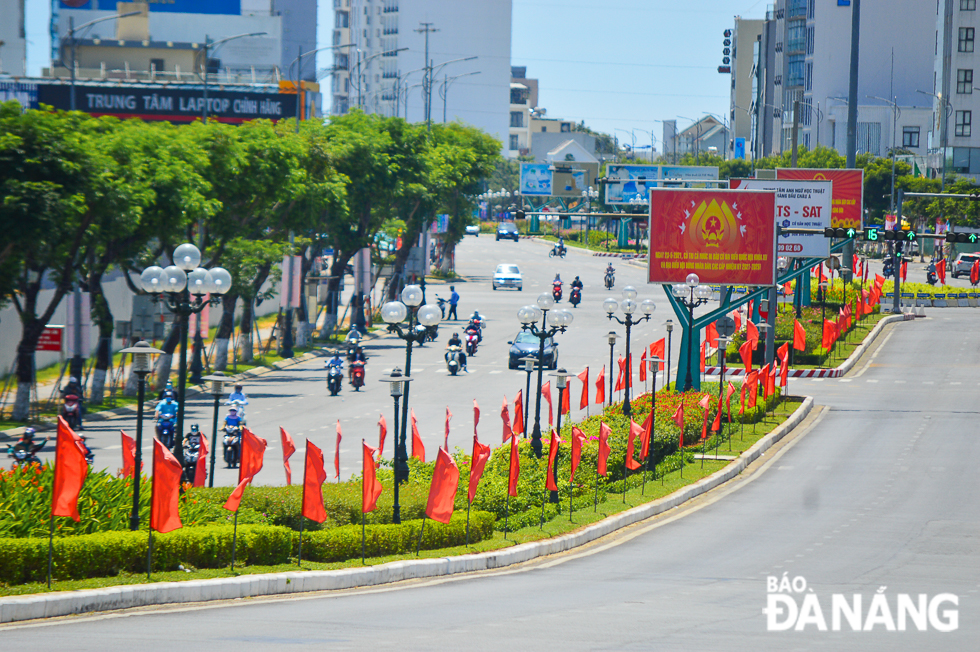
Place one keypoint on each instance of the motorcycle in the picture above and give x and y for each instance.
(22, 454)
(165, 430)
(472, 339)
(335, 378)
(888, 268)
(232, 442)
(71, 411)
(556, 291)
(610, 279)
(931, 278)
(557, 251)
(192, 453)
(576, 296)
(240, 407)
(357, 375)
(454, 360)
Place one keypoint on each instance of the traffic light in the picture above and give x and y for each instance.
(909, 236)
(892, 235)
(871, 234)
(971, 238)
(839, 233)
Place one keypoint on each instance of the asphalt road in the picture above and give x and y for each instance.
(878, 494)
(296, 398)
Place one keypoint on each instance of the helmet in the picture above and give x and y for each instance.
(194, 429)
(238, 388)
(73, 380)
(232, 410)
(29, 433)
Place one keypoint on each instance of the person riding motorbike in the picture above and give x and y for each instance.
(556, 287)
(166, 412)
(74, 388)
(931, 277)
(888, 267)
(232, 418)
(192, 452)
(610, 276)
(237, 396)
(476, 323)
(335, 361)
(560, 246)
(167, 391)
(456, 342)
(577, 283)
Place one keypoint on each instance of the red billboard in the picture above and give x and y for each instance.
(50, 339)
(724, 236)
(847, 204)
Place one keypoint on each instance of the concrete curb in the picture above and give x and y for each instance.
(31, 607)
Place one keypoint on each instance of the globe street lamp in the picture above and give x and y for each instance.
(398, 385)
(628, 306)
(553, 321)
(142, 365)
(175, 286)
(422, 321)
(529, 363)
(611, 338)
(216, 390)
(691, 294)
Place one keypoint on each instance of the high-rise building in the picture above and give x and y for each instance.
(954, 140)
(382, 69)
(13, 38)
(744, 43)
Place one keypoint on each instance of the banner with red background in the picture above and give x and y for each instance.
(847, 204)
(723, 236)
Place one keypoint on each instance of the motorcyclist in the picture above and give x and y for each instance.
(232, 419)
(359, 355)
(335, 361)
(455, 341)
(238, 395)
(26, 441)
(74, 387)
(166, 408)
(577, 283)
(167, 391)
(476, 325)
(192, 441)
(888, 266)
(353, 336)
(560, 246)
(557, 283)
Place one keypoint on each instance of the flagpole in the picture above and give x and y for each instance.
(149, 552)
(468, 506)
(362, 532)
(570, 496)
(302, 519)
(506, 513)
(234, 540)
(418, 546)
(681, 449)
(50, 548)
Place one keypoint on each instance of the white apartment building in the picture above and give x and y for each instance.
(13, 38)
(956, 60)
(383, 69)
(744, 42)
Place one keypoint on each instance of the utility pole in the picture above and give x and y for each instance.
(852, 113)
(426, 28)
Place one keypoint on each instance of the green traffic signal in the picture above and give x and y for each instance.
(911, 236)
(851, 233)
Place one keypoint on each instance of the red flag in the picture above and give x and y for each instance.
(505, 417)
(565, 401)
(764, 379)
(974, 272)
(600, 387)
(753, 382)
(551, 482)
(799, 336)
(716, 424)
(647, 436)
(253, 452)
(643, 366)
(879, 281)
(382, 433)
(313, 478)
(476, 416)
(941, 271)
(746, 352)
(828, 335)
(449, 415)
(728, 399)
(737, 316)
(515, 467)
(706, 404)
(201, 470)
(445, 482)
(905, 270)
(235, 499)
(518, 414)
(70, 469)
(679, 422)
(635, 431)
(418, 450)
(165, 500)
(788, 288)
(129, 455)
(711, 335)
(783, 353)
(621, 376)
(578, 440)
(584, 401)
(604, 448)
(336, 453)
(481, 453)
(704, 345)
(288, 448)
(771, 381)
(546, 393)
(751, 334)
(370, 487)
(658, 350)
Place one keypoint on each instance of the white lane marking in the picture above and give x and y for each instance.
(845, 380)
(871, 380)
(956, 383)
(899, 382)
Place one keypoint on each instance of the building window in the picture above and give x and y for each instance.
(514, 142)
(966, 39)
(157, 65)
(964, 122)
(518, 95)
(910, 137)
(516, 120)
(964, 82)
(794, 70)
(796, 37)
(968, 5)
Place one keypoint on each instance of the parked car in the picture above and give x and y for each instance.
(963, 263)
(507, 230)
(473, 229)
(526, 344)
(508, 276)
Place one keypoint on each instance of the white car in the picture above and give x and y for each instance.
(508, 276)
(473, 229)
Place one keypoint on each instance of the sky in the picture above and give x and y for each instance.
(619, 65)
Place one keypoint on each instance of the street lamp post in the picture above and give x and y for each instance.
(421, 321)
(142, 354)
(654, 363)
(398, 382)
(722, 350)
(611, 338)
(176, 285)
(691, 294)
(553, 321)
(299, 72)
(670, 337)
(529, 363)
(628, 306)
(217, 381)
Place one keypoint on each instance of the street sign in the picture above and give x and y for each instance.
(725, 326)
(50, 339)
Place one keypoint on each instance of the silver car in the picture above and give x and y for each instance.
(508, 276)
(963, 263)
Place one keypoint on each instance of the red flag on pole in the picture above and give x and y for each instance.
(828, 335)
(635, 431)
(546, 394)
(481, 453)
(566, 406)
(905, 271)
(658, 350)
(746, 352)
(643, 366)
(783, 353)
(600, 387)
(449, 415)
(515, 467)
(253, 453)
(604, 448)
(799, 336)
(704, 346)
(518, 414)
(711, 335)
(584, 401)
(879, 281)
(201, 469)
(753, 382)
(313, 478)
(336, 454)
(235, 499)
(679, 422)
(476, 416)
(706, 404)
(442, 491)
(751, 334)
(288, 448)
(165, 500)
(621, 376)
(382, 434)
(70, 469)
(505, 417)
(578, 440)
(418, 450)
(728, 399)
(737, 317)
(764, 379)
(551, 482)
(941, 271)
(716, 424)
(647, 436)
(129, 455)
(370, 487)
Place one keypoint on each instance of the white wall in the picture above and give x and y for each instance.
(13, 52)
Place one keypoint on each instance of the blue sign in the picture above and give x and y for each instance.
(535, 179)
(228, 7)
(843, 3)
(740, 148)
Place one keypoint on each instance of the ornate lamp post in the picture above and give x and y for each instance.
(670, 337)
(654, 363)
(611, 338)
(562, 376)
(398, 385)
(628, 306)
(142, 366)
(182, 287)
(529, 363)
(552, 322)
(691, 294)
(421, 320)
(217, 382)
